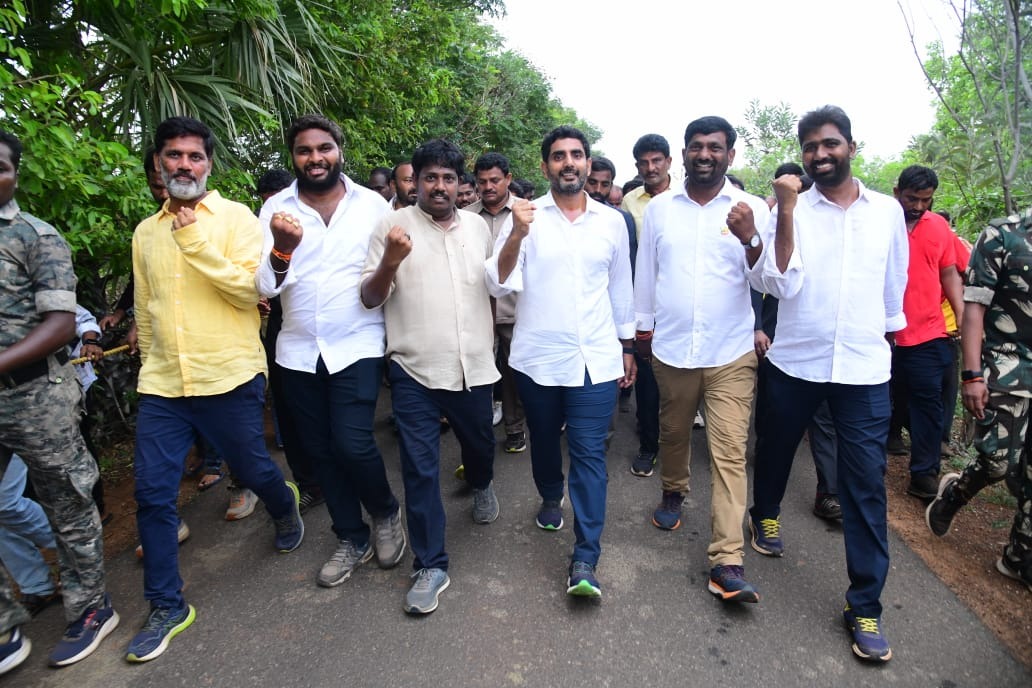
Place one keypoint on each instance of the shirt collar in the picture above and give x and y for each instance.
(209, 203)
(814, 196)
(429, 218)
(682, 191)
(9, 210)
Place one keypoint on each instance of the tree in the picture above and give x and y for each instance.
(982, 133)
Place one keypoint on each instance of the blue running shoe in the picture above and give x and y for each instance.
(15, 651)
(727, 583)
(163, 624)
(766, 536)
(582, 581)
(667, 515)
(290, 529)
(869, 642)
(550, 515)
(84, 634)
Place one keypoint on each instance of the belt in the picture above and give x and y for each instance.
(36, 369)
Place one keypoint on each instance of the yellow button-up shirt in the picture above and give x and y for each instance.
(635, 200)
(196, 300)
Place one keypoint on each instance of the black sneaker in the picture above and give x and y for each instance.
(895, 445)
(84, 634)
(310, 499)
(34, 604)
(923, 486)
(643, 464)
(14, 651)
(939, 514)
(827, 506)
(515, 442)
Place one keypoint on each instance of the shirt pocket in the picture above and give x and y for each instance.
(1018, 273)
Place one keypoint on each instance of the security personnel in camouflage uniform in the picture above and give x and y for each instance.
(40, 407)
(997, 381)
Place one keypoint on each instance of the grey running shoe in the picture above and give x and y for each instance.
(343, 562)
(939, 514)
(389, 540)
(422, 596)
(485, 505)
(241, 503)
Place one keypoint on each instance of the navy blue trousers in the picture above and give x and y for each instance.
(861, 417)
(418, 411)
(917, 376)
(234, 423)
(334, 417)
(586, 411)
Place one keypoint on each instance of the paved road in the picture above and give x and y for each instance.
(506, 621)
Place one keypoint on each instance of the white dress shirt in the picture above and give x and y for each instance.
(691, 279)
(842, 291)
(574, 300)
(322, 309)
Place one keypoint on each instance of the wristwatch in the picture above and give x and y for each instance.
(966, 375)
(86, 339)
(754, 241)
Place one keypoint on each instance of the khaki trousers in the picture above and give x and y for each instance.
(726, 392)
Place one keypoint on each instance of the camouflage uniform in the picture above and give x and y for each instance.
(39, 418)
(1000, 278)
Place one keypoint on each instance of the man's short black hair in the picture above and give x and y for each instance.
(829, 114)
(710, 125)
(789, 168)
(467, 178)
(12, 142)
(394, 170)
(735, 181)
(306, 122)
(632, 184)
(525, 187)
(918, 178)
(601, 164)
(438, 152)
(649, 143)
(174, 127)
(387, 172)
(489, 161)
(274, 181)
(148, 161)
(564, 132)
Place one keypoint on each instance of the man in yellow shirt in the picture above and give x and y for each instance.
(203, 366)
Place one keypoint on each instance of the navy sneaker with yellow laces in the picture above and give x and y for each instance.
(869, 643)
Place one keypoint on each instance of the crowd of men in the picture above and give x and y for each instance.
(457, 290)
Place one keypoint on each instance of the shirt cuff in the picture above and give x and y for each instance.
(625, 331)
(896, 323)
(646, 322)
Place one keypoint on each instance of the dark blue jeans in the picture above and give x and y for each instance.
(646, 396)
(334, 417)
(234, 423)
(861, 416)
(418, 411)
(917, 374)
(586, 411)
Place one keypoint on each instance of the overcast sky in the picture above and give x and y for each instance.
(633, 68)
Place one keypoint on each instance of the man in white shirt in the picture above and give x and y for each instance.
(838, 264)
(695, 325)
(566, 258)
(425, 268)
(330, 349)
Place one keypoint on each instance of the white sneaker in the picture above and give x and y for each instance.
(497, 417)
(700, 422)
(182, 532)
